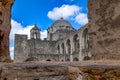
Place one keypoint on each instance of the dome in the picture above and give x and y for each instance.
(61, 23)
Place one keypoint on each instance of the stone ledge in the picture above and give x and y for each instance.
(86, 70)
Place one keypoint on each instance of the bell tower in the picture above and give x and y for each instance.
(35, 33)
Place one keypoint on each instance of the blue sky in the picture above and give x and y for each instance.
(26, 13)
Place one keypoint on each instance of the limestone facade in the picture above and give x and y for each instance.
(63, 43)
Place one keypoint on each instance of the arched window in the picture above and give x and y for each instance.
(85, 42)
(86, 39)
(68, 46)
(63, 48)
(76, 43)
(58, 49)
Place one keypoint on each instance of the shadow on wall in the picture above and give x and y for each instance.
(1, 38)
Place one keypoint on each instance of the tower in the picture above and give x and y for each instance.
(35, 32)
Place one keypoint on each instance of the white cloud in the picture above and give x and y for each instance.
(63, 11)
(67, 11)
(17, 28)
(81, 18)
(12, 52)
(43, 34)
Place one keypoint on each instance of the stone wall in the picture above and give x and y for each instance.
(99, 70)
(21, 48)
(5, 26)
(104, 28)
(38, 46)
(26, 49)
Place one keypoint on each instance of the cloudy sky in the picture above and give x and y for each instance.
(26, 13)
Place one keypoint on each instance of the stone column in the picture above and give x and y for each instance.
(72, 49)
(5, 27)
(66, 46)
(80, 51)
(104, 29)
(66, 50)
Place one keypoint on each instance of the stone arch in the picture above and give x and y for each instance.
(85, 41)
(75, 59)
(76, 43)
(68, 46)
(35, 35)
(58, 49)
(63, 48)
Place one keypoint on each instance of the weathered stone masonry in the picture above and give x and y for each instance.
(5, 27)
(86, 70)
(63, 43)
(104, 29)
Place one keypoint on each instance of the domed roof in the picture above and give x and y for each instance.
(61, 22)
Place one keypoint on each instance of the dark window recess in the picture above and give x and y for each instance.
(0, 13)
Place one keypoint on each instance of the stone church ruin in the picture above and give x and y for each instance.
(98, 42)
(63, 43)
